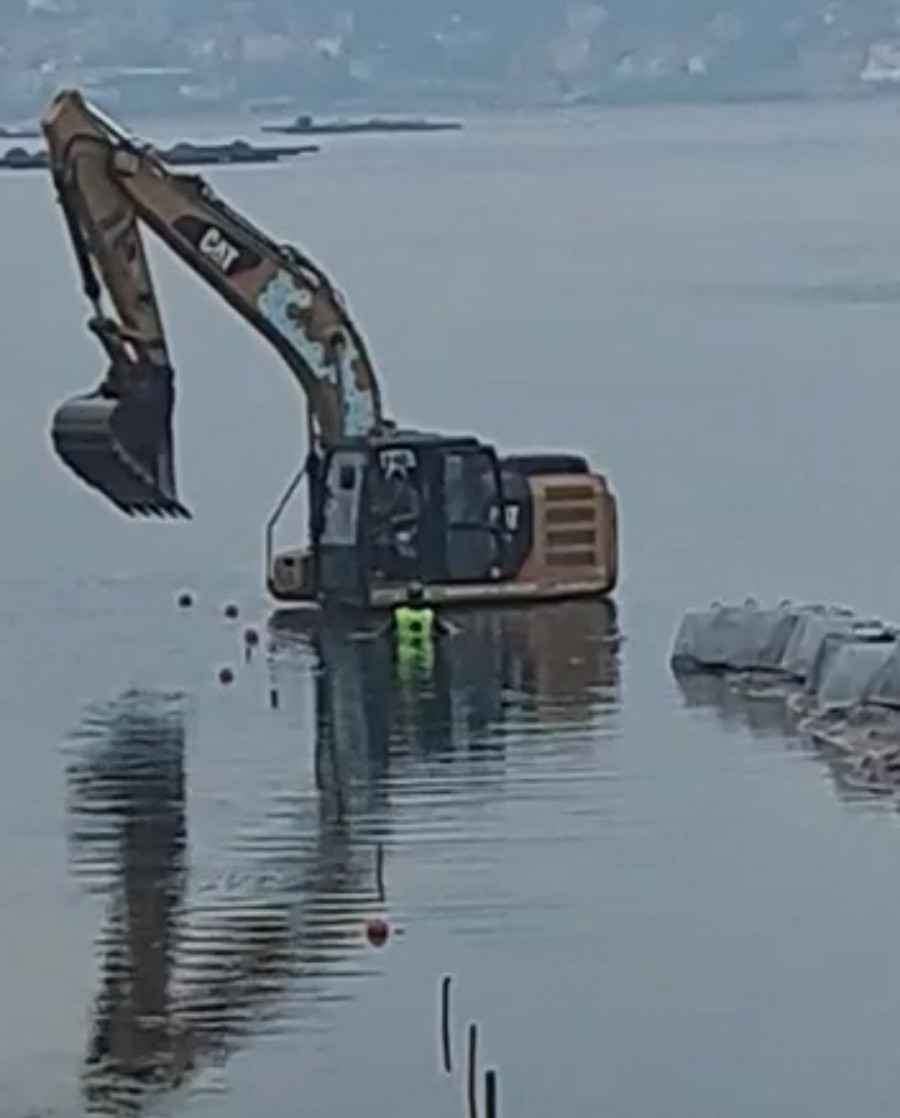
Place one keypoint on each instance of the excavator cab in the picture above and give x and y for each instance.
(414, 507)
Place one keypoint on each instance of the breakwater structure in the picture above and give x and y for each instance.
(833, 675)
(182, 154)
(308, 126)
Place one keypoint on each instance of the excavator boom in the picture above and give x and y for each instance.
(118, 438)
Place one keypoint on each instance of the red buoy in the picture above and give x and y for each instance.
(226, 676)
(377, 931)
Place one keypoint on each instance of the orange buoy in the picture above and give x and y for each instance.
(377, 931)
(226, 676)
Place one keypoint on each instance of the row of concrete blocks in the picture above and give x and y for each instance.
(838, 672)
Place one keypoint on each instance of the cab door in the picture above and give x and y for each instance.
(472, 514)
(340, 557)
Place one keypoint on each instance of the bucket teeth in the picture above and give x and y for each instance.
(122, 447)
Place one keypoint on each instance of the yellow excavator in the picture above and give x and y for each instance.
(387, 506)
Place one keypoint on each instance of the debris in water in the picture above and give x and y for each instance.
(185, 599)
(232, 612)
(226, 676)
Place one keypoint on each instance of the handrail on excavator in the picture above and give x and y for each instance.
(278, 512)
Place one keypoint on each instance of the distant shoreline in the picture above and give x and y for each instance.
(659, 93)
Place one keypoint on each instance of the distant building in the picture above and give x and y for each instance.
(141, 89)
(882, 65)
(261, 48)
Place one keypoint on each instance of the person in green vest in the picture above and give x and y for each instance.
(415, 627)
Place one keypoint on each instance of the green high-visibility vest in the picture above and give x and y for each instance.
(414, 637)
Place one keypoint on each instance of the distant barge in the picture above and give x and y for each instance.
(307, 126)
(19, 132)
(180, 155)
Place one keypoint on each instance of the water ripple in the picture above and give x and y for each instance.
(263, 930)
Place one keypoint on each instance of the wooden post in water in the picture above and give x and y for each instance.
(379, 870)
(490, 1094)
(473, 1071)
(445, 1024)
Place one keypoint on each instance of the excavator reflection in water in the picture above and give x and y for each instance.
(386, 506)
(186, 982)
(554, 667)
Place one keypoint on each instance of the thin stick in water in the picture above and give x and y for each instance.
(490, 1094)
(473, 1071)
(379, 870)
(445, 1024)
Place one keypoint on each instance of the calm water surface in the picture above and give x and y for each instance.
(654, 903)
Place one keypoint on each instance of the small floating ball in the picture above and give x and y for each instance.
(231, 611)
(185, 599)
(377, 932)
(226, 676)
(251, 638)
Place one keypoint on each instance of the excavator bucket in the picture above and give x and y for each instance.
(121, 445)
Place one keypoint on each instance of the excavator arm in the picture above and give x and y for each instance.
(118, 438)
